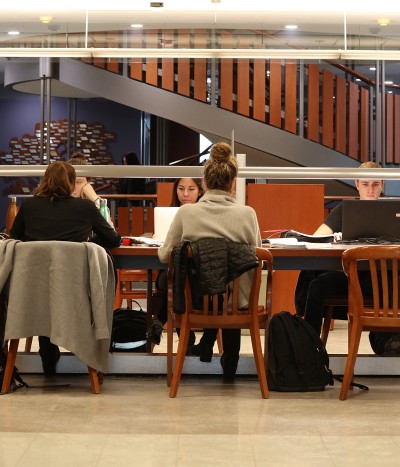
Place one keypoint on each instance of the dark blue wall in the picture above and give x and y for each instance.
(20, 112)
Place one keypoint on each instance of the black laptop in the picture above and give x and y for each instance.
(365, 220)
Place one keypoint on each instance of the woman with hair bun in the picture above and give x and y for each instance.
(217, 215)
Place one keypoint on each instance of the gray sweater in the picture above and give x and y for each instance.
(63, 290)
(218, 215)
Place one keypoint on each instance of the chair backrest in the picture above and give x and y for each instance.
(375, 268)
(225, 306)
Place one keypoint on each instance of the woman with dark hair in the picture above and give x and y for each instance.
(54, 214)
(185, 191)
(217, 215)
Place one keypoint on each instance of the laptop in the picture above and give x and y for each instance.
(373, 219)
(163, 218)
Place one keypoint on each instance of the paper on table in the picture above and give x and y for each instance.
(318, 246)
(289, 242)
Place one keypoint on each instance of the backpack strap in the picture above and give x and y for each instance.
(352, 384)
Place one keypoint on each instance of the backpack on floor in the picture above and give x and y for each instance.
(129, 330)
(297, 359)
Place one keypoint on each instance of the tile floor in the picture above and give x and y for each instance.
(210, 423)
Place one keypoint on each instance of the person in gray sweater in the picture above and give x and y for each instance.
(217, 215)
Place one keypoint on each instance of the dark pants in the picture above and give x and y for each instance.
(230, 340)
(47, 349)
(330, 284)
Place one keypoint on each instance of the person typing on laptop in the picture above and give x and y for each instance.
(314, 286)
(185, 191)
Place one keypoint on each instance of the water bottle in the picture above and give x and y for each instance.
(104, 209)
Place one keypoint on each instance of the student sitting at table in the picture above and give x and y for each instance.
(217, 215)
(185, 191)
(314, 286)
(54, 214)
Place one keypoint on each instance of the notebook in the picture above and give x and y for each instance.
(163, 218)
(374, 219)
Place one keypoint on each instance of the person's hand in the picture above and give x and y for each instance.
(88, 192)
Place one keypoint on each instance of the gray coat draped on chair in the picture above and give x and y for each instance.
(63, 290)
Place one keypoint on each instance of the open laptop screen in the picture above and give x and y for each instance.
(371, 219)
(163, 218)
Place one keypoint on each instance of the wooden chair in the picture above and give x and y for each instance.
(126, 289)
(229, 318)
(330, 304)
(11, 357)
(382, 313)
(62, 264)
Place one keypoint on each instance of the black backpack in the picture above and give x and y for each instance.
(128, 330)
(297, 359)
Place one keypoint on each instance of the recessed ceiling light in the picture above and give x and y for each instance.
(13, 33)
(45, 19)
(290, 26)
(372, 68)
(358, 79)
(383, 21)
(136, 26)
(388, 82)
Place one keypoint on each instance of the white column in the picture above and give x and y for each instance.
(241, 182)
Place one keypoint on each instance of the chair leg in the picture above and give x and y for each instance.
(258, 359)
(326, 327)
(28, 344)
(8, 372)
(180, 356)
(219, 342)
(351, 361)
(94, 380)
(170, 344)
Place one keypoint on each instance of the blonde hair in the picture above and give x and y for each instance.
(221, 169)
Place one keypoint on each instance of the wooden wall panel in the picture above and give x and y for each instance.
(275, 94)
(200, 68)
(164, 193)
(167, 75)
(243, 86)
(396, 129)
(340, 115)
(364, 125)
(313, 103)
(389, 116)
(353, 113)
(184, 64)
(152, 71)
(226, 85)
(136, 64)
(152, 41)
(291, 97)
(259, 85)
(299, 207)
(327, 108)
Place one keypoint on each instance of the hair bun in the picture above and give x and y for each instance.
(221, 152)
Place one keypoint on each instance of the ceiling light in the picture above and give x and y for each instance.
(45, 19)
(290, 26)
(388, 82)
(383, 21)
(13, 33)
(136, 25)
(358, 79)
(372, 68)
